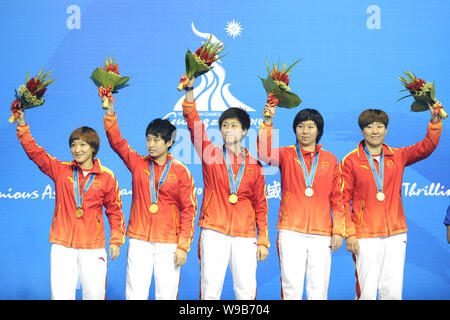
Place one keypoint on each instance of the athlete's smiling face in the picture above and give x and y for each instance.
(374, 134)
(156, 146)
(82, 152)
(307, 132)
(232, 131)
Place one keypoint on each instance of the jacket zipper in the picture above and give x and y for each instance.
(206, 205)
(361, 212)
(56, 214)
(309, 214)
(98, 225)
(284, 206)
(175, 219)
(253, 215)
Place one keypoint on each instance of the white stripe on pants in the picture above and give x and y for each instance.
(67, 264)
(143, 258)
(217, 251)
(304, 254)
(379, 266)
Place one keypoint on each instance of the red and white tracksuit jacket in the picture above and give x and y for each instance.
(305, 224)
(380, 226)
(366, 217)
(67, 230)
(298, 212)
(217, 213)
(228, 235)
(177, 202)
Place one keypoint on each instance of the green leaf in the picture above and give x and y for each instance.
(409, 95)
(268, 84)
(122, 83)
(433, 91)
(194, 68)
(287, 99)
(289, 69)
(424, 99)
(268, 69)
(104, 78)
(419, 106)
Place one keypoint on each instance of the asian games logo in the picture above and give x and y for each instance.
(213, 95)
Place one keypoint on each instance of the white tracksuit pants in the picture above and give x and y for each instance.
(379, 266)
(67, 264)
(145, 257)
(216, 252)
(304, 254)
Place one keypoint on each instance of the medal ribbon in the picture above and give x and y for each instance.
(234, 185)
(309, 178)
(378, 178)
(76, 186)
(153, 192)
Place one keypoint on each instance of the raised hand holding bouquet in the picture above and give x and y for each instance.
(200, 62)
(108, 81)
(277, 89)
(423, 93)
(30, 94)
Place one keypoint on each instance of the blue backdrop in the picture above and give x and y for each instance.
(352, 51)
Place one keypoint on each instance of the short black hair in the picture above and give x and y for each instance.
(163, 128)
(238, 113)
(313, 115)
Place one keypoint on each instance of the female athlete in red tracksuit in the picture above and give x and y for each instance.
(375, 224)
(308, 231)
(161, 225)
(82, 188)
(230, 214)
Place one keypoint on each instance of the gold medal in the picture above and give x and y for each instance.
(309, 192)
(79, 213)
(154, 208)
(233, 198)
(380, 196)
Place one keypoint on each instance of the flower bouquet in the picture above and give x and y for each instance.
(423, 93)
(277, 89)
(30, 94)
(108, 81)
(200, 62)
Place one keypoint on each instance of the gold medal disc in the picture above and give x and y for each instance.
(309, 192)
(154, 208)
(233, 198)
(380, 196)
(79, 213)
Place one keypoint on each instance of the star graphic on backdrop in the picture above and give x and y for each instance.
(233, 29)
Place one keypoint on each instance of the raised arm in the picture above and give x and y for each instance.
(199, 138)
(117, 143)
(264, 141)
(46, 163)
(424, 148)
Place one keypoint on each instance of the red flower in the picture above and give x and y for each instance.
(106, 92)
(416, 85)
(41, 92)
(32, 85)
(272, 100)
(280, 76)
(114, 68)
